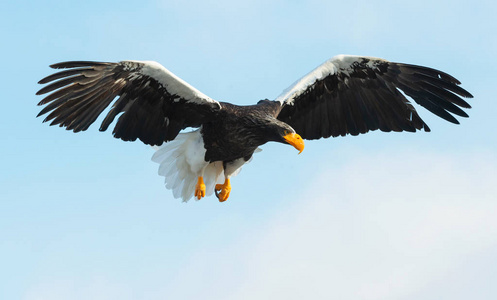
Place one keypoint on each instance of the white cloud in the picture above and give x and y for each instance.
(381, 227)
(401, 225)
(389, 225)
(76, 288)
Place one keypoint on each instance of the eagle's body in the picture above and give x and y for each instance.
(345, 95)
(237, 131)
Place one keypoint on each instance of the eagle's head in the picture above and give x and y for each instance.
(286, 134)
(270, 129)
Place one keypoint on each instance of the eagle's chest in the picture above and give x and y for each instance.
(231, 138)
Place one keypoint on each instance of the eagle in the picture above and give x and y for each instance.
(346, 94)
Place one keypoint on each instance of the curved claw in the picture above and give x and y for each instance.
(200, 188)
(222, 191)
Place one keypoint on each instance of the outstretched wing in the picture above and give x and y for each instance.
(155, 104)
(353, 94)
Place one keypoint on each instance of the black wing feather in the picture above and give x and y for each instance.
(362, 94)
(148, 110)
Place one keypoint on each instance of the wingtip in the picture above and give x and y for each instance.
(77, 64)
(468, 95)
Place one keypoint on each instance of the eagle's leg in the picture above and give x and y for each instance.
(200, 187)
(224, 189)
(230, 168)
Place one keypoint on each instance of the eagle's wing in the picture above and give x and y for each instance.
(154, 103)
(353, 94)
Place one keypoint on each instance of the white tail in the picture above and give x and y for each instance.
(181, 161)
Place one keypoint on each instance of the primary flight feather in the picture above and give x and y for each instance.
(345, 95)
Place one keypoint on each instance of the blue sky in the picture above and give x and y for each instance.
(379, 216)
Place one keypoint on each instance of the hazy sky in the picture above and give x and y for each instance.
(379, 216)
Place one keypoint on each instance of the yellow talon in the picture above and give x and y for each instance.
(200, 188)
(225, 190)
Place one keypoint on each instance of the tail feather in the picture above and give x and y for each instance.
(181, 161)
(212, 175)
(163, 152)
(188, 187)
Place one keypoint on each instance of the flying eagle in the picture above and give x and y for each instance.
(345, 95)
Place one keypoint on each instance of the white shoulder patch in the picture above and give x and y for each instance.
(173, 84)
(339, 63)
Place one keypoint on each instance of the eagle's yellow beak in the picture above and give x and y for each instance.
(295, 140)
